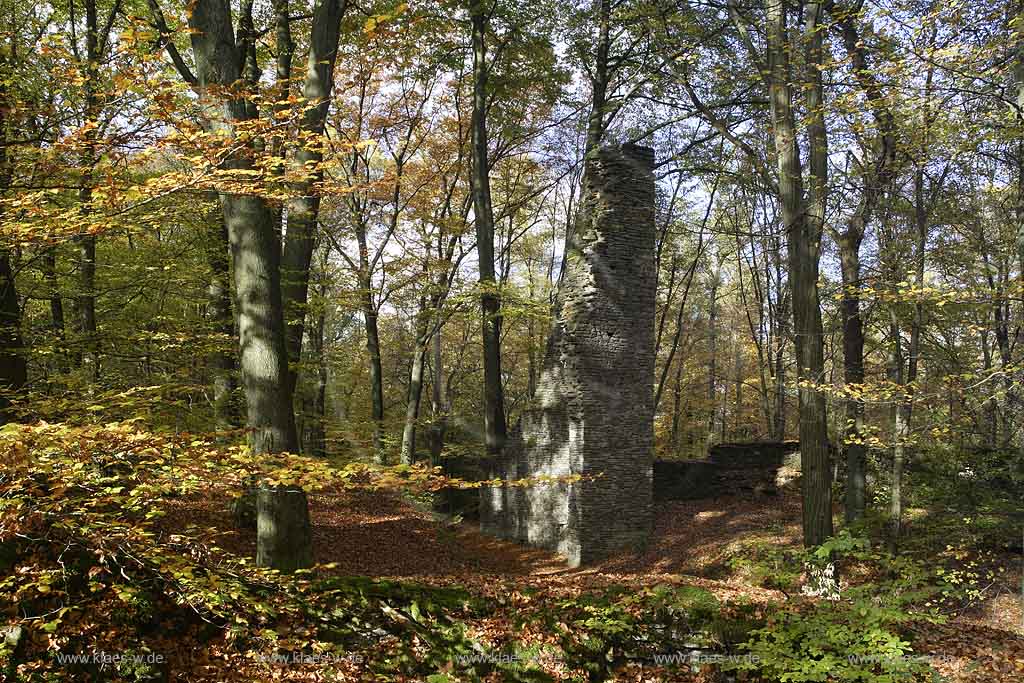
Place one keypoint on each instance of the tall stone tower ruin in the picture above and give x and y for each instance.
(593, 413)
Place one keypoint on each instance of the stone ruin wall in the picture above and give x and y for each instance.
(593, 412)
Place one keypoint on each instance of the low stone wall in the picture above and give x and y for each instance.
(755, 454)
(761, 467)
(684, 479)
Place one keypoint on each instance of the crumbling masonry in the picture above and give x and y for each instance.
(593, 413)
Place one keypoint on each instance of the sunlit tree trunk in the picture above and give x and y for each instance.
(738, 368)
(415, 388)
(284, 538)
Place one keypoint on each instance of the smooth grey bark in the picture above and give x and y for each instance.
(284, 537)
(284, 51)
(900, 431)
(412, 404)
(304, 210)
(853, 372)
(285, 48)
(814, 447)
(495, 427)
(283, 527)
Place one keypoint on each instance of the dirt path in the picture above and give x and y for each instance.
(382, 536)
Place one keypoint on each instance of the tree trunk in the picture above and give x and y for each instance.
(814, 448)
(803, 222)
(304, 210)
(372, 344)
(878, 172)
(677, 404)
(437, 408)
(13, 366)
(86, 299)
(757, 335)
(737, 359)
(222, 320)
(283, 538)
(412, 406)
(904, 410)
(56, 302)
(490, 303)
(900, 430)
(255, 253)
(597, 122)
(713, 352)
(316, 436)
(853, 377)
(781, 326)
(1018, 73)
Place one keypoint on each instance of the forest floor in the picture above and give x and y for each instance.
(382, 536)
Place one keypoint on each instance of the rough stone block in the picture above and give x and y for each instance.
(594, 407)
